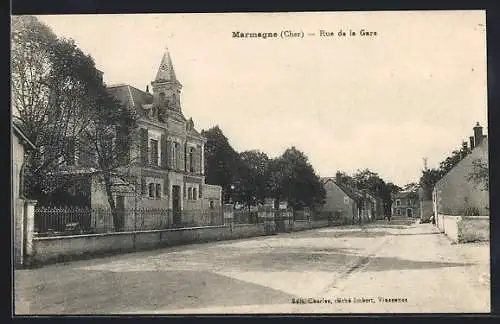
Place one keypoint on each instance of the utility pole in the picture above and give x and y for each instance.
(425, 163)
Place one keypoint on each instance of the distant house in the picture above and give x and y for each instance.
(406, 204)
(455, 193)
(347, 204)
(20, 144)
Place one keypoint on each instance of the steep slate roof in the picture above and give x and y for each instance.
(131, 96)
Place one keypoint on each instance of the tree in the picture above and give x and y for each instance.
(252, 177)
(293, 178)
(53, 90)
(428, 180)
(480, 174)
(61, 102)
(110, 136)
(222, 162)
(456, 156)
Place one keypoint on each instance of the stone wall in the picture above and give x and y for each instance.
(50, 249)
(463, 229)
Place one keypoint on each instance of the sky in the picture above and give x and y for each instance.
(382, 102)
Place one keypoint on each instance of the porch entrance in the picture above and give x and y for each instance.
(176, 205)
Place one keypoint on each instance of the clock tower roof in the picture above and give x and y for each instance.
(166, 70)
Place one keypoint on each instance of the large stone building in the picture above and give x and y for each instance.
(166, 170)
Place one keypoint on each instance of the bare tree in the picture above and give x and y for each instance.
(110, 137)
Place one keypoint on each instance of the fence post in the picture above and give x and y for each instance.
(29, 229)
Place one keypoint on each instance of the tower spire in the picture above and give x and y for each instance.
(166, 70)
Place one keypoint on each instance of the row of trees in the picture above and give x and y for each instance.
(251, 176)
(60, 101)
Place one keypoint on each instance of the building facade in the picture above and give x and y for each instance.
(455, 193)
(166, 158)
(20, 212)
(405, 204)
(348, 205)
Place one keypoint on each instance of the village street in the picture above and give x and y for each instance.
(412, 262)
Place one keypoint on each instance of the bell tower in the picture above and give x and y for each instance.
(166, 87)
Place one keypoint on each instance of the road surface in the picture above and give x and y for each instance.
(378, 268)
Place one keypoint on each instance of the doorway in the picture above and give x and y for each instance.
(409, 212)
(176, 205)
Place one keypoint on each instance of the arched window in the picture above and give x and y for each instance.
(162, 98)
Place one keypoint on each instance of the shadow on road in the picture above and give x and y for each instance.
(114, 292)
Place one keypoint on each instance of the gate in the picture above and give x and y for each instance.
(283, 220)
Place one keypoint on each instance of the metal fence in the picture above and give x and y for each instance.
(72, 221)
(246, 217)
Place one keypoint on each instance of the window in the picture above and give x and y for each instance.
(190, 193)
(194, 194)
(162, 98)
(398, 202)
(398, 212)
(175, 150)
(191, 159)
(158, 190)
(151, 190)
(154, 152)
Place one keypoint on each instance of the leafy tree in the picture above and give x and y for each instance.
(293, 178)
(456, 156)
(61, 102)
(480, 174)
(222, 162)
(427, 181)
(53, 89)
(252, 183)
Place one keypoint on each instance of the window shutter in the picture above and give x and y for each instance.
(199, 191)
(197, 168)
(185, 191)
(143, 186)
(144, 147)
(178, 153)
(158, 190)
(168, 154)
(163, 153)
(181, 156)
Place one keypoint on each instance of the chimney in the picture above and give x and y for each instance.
(471, 142)
(464, 149)
(338, 177)
(478, 134)
(147, 88)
